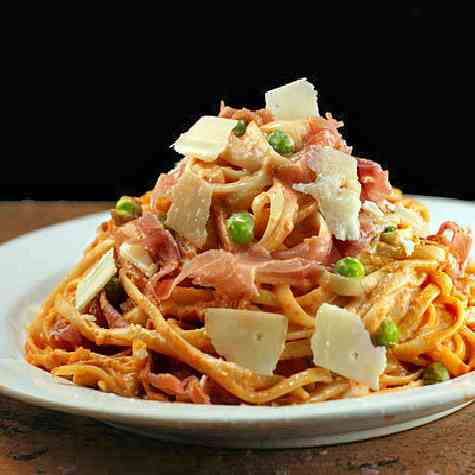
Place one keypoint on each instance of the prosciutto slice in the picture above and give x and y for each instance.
(223, 271)
(324, 132)
(316, 248)
(459, 244)
(166, 181)
(127, 232)
(113, 317)
(235, 275)
(374, 181)
(190, 389)
(298, 169)
(295, 271)
(160, 244)
(65, 336)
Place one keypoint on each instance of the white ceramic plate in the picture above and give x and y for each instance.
(34, 263)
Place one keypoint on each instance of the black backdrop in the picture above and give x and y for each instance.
(86, 109)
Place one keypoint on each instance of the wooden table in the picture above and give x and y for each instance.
(37, 441)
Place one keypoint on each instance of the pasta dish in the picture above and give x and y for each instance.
(270, 267)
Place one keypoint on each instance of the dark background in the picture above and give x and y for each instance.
(86, 108)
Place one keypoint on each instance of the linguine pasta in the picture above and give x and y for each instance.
(176, 252)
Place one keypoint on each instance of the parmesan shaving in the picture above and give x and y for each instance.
(95, 280)
(296, 100)
(342, 344)
(372, 208)
(189, 212)
(337, 191)
(207, 139)
(414, 219)
(251, 339)
(139, 257)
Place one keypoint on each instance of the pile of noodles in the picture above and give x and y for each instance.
(155, 345)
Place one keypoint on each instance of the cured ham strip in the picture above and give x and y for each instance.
(184, 386)
(374, 181)
(65, 335)
(149, 232)
(127, 232)
(190, 389)
(295, 271)
(298, 170)
(223, 271)
(160, 244)
(460, 243)
(95, 309)
(113, 317)
(235, 275)
(166, 182)
(324, 132)
(314, 248)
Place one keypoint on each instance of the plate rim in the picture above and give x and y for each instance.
(425, 397)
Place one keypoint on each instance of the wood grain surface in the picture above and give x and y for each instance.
(36, 441)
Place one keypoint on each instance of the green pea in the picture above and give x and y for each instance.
(387, 334)
(241, 227)
(435, 373)
(128, 207)
(281, 142)
(350, 267)
(240, 128)
(162, 218)
(389, 235)
(115, 292)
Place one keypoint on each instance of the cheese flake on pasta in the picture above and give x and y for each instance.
(95, 280)
(137, 255)
(337, 191)
(207, 139)
(251, 339)
(342, 344)
(296, 100)
(189, 212)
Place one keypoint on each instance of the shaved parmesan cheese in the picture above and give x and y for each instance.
(251, 339)
(372, 208)
(206, 139)
(408, 246)
(337, 191)
(374, 221)
(139, 257)
(413, 219)
(389, 206)
(95, 280)
(342, 344)
(405, 238)
(296, 100)
(189, 212)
